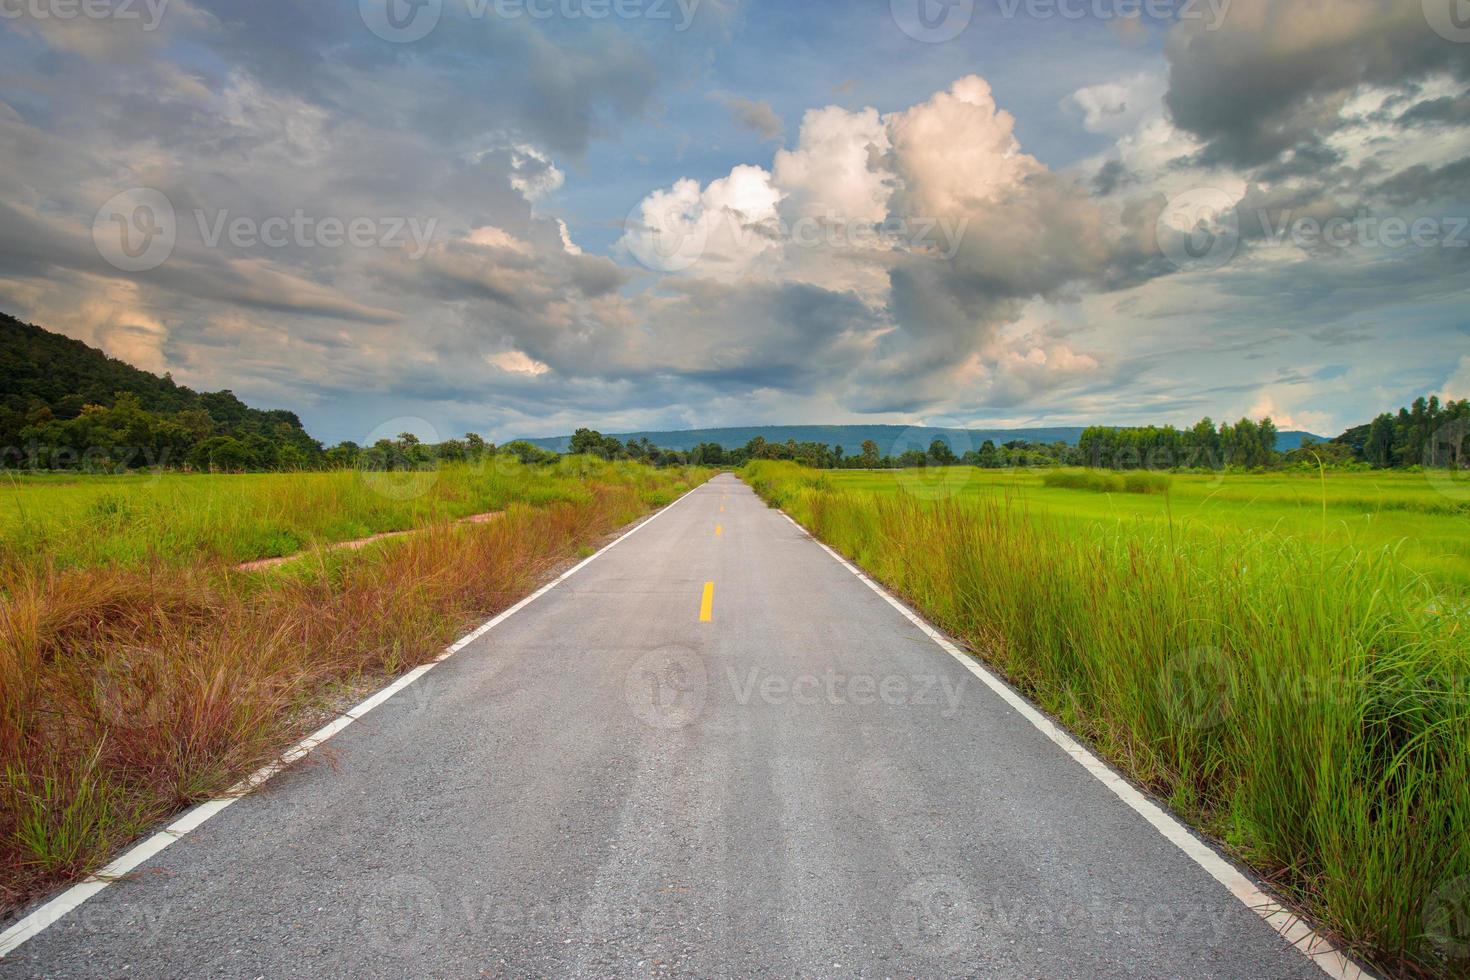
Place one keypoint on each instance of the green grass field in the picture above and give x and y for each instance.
(178, 519)
(1402, 511)
(1285, 661)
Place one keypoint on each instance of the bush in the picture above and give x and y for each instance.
(1142, 481)
(1102, 481)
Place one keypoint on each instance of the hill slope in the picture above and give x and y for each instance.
(46, 380)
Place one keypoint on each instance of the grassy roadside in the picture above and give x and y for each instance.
(181, 519)
(131, 689)
(1305, 702)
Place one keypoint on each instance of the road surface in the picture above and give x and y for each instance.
(713, 751)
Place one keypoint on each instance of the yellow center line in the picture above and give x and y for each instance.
(707, 604)
(719, 530)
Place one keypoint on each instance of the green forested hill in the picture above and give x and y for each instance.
(63, 403)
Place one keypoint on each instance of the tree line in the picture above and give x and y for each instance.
(870, 456)
(1245, 444)
(1427, 433)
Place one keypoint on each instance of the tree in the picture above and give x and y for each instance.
(528, 452)
(940, 454)
(1267, 437)
(711, 453)
(870, 454)
(588, 442)
(1202, 445)
(340, 456)
(1378, 450)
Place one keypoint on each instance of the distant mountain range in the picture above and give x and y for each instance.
(891, 439)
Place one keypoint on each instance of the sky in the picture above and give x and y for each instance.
(518, 217)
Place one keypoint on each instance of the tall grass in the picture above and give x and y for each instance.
(128, 690)
(1308, 706)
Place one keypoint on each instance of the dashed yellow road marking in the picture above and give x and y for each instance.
(707, 604)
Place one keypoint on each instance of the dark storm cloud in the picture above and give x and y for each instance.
(1446, 110)
(1274, 75)
(1112, 175)
(1419, 184)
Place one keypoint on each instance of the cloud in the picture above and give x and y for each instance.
(1305, 420)
(1340, 335)
(753, 114)
(1116, 108)
(517, 362)
(956, 150)
(903, 261)
(933, 215)
(719, 230)
(831, 171)
(1457, 385)
(1273, 76)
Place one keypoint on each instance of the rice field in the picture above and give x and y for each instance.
(1423, 517)
(1283, 659)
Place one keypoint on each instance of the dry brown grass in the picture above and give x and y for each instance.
(130, 693)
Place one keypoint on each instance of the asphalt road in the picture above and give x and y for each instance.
(640, 775)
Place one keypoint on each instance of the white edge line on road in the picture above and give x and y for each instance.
(1290, 926)
(57, 908)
